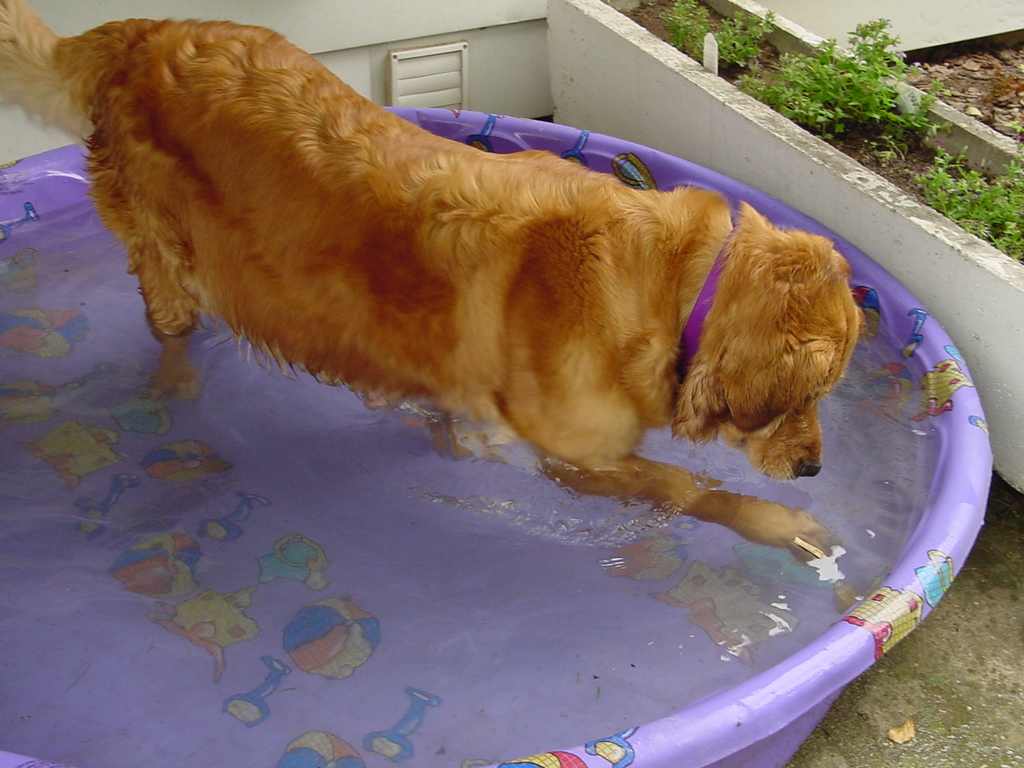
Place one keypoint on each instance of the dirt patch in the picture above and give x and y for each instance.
(651, 16)
(982, 79)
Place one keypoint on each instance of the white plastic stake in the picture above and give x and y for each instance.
(711, 53)
(908, 99)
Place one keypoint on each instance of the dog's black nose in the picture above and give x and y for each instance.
(808, 468)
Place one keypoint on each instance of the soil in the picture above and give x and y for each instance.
(982, 79)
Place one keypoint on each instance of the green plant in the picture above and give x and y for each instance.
(739, 38)
(888, 149)
(831, 91)
(992, 209)
(688, 22)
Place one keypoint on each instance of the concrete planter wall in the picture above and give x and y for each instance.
(611, 76)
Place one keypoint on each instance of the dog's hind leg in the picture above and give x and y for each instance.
(674, 489)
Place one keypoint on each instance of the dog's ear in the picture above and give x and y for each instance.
(700, 404)
(718, 387)
(735, 388)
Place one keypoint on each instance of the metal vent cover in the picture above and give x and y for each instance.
(431, 76)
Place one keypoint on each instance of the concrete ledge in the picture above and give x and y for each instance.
(610, 75)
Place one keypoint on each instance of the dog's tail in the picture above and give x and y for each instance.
(29, 71)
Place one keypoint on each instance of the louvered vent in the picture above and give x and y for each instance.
(434, 76)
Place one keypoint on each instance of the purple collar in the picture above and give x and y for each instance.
(695, 323)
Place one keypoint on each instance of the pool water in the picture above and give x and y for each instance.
(275, 573)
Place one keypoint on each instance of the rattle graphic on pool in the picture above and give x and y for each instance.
(227, 528)
(7, 227)
(394, 744)
(250, 708)
(87, 509)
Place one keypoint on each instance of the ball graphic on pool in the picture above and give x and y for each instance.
(319, 749)
(331, 637)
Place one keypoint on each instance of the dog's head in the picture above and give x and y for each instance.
(777, 339)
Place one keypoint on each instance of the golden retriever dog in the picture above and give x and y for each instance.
(522, 290)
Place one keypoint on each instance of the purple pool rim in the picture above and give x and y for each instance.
(762, 721)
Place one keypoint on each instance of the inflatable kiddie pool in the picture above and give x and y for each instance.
(276, 575)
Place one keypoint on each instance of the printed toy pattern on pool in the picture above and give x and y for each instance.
(893, 383)
(94, 426)
(891, 613)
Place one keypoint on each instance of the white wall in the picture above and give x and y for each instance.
(316, 25)
(508, 71)
(918, 23)
(610, 76)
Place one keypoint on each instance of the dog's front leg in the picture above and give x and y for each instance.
(171, 316)
(175, 376)
(160, 256)
(666, 486)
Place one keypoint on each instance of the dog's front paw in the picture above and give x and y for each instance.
(766, 522)
(446, 435)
